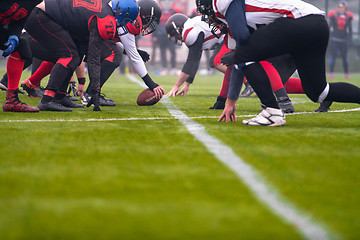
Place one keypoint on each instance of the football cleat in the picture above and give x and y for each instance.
(30, 89)
(267, 117)
(220, 103)
(247, 91)
(3, 84)
(13, 104)
(105, 102)
(324, 106)
(53, 106)
(286, 105)
(67, 102)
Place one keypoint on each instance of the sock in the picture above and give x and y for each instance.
(293, 85)
(281, 93)
(343, 92)
(60, 95)
(48, 96)
(226, 83)
(14, 68)
(273, 75)
(260, 82)
(44, 70)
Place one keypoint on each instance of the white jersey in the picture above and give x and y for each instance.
(193, 27)
(260, 12)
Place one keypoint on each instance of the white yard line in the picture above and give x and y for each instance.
(268, 195)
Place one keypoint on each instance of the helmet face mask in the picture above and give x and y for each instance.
(174, 27)
(125, 11)
(205, 8)
(175, 35)
(150, 14)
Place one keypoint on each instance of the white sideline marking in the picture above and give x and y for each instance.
(248, 174)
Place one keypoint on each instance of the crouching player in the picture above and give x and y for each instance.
(13, 15)
(72, 28)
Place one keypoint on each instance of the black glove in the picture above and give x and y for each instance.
(144, 55)
(228, 59)
(95, 93)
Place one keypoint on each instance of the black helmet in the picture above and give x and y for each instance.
(205, 7)
(150, 14)
(174, 27)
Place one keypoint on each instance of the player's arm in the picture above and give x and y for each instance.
(80, 74)
(128, 41)
(190, 67)
(93, 60)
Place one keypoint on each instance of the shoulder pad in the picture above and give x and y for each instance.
(350, 14)
(106, 26)
(332, 13)
(136, 28)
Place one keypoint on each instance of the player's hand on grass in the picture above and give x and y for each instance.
(184, 89)
(159, 92)
(80, 91)
(229, 111)
(173, 91)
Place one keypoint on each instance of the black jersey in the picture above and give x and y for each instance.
(75, 15)
(14, 13)
(340, 25)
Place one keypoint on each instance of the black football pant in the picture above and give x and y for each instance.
(342, 48)
(57, 41)
(305, 39)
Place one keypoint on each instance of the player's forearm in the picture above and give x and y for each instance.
(236, 80)
(182, 78)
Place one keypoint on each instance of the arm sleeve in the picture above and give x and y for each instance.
(193, 60)
(128, 41)
(236, 19)
(236, 81)
(93, 56)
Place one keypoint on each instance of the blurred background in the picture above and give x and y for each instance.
(166, 58)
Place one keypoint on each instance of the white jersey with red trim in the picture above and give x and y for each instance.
(193, 27)
(263, 12)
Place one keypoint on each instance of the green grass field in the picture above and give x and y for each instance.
(145, 178)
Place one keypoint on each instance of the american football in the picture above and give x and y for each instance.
(147, 98)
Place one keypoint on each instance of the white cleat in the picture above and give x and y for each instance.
(271, 117)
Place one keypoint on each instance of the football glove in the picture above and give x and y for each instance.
(144, 55)
(12, 43)
(228, 59)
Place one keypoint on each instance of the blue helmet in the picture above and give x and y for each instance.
(125, 11)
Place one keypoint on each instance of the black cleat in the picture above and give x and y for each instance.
(324, 106)
(247, 91)
(67, 102)
(105, 102)
(286, 105)
(220, 103)
(108, 102)
(53, 106)
(3, 84)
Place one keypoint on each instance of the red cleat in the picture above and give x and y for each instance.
(13, 104)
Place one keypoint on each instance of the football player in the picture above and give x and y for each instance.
(280, 27)
(198, 35)
(146, 23)
(72, 28)
(13, 15)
